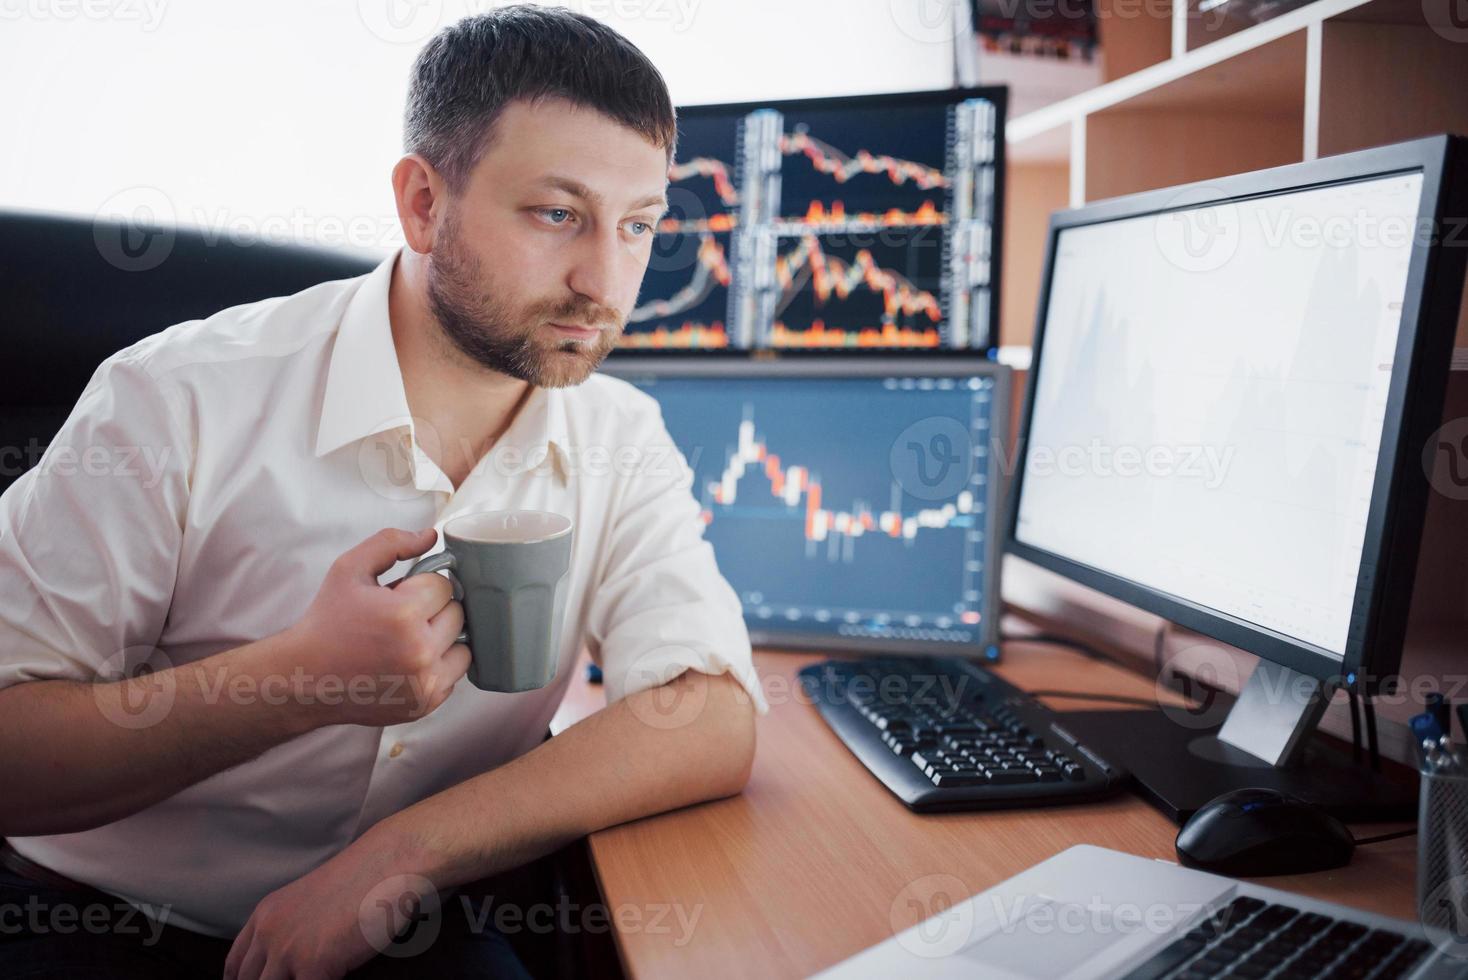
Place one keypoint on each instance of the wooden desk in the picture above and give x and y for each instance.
(816, 860)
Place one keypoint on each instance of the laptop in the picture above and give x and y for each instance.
(1090, 913)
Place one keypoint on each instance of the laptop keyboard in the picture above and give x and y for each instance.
(1253, 939)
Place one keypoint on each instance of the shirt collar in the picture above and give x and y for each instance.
(365, 392)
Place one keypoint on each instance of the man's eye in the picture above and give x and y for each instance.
(556, 216)
(640, 227)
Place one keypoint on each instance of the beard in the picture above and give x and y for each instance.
(517, 341)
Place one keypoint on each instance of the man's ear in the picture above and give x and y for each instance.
(422, 200)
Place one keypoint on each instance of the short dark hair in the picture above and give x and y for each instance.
(469, 71)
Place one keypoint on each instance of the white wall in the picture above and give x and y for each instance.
(282, 118)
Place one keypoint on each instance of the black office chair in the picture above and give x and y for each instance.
(74, 290)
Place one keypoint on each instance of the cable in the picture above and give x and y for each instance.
(1061, 641)
(1355, 725)
(1367, 702)
(1381, 837)
(1084, 696)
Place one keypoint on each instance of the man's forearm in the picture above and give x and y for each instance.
(688, 741)
(75, 755)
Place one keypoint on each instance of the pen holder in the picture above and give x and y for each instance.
(1442, 862)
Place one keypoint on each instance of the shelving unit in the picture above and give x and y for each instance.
(1217, 99)
(1185, 97)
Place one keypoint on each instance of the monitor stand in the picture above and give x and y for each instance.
(1179, 761)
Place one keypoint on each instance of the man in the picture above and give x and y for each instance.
(210, 704)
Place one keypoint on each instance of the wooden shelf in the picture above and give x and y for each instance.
(1326, 78)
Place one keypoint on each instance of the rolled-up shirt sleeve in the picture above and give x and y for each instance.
(661, 606)
(90, 536)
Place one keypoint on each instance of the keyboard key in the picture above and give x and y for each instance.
(1003, 777)
(960, 777)
(1273, 917)
(1167, 960)
(1244, 905)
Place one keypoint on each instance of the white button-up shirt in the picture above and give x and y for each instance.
(196, 496)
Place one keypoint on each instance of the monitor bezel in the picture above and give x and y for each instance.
(1399, 493)
(763, 633)
(998, 95)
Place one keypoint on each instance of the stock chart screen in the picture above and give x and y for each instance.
(853, 507)
(829, 224)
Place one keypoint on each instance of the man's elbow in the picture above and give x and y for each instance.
(733, 731)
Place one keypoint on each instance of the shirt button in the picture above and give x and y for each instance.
(397, 750)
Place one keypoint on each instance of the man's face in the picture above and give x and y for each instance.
(538, 263)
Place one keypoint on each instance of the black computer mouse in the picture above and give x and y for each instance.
(1249, 833)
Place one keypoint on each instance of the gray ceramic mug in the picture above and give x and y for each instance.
(508, 568)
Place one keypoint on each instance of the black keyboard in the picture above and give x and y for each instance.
(1251, 938)
(945, 734)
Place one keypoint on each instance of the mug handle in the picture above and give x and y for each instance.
(443, 561)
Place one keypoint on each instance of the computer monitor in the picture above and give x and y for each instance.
(867, 223)
(1232, 386)
(852, 504)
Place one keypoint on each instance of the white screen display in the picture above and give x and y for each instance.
(1211, 394)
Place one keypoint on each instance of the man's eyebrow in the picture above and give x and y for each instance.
(577, 189)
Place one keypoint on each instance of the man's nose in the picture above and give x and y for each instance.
(595, 273)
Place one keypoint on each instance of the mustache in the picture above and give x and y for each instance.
(578, 310)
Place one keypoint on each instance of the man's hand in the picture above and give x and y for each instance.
(360, 637)
(329, 921)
